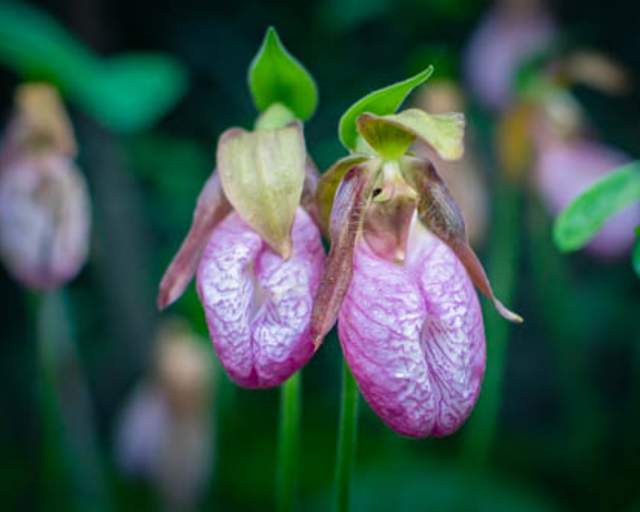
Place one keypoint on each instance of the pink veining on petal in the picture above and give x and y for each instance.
(413, 337)
(257, 305)
(567, 168)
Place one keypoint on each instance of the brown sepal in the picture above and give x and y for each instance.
(211, 208)
(439, 212)
(346, 222)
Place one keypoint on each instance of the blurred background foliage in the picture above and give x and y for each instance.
(150, 86)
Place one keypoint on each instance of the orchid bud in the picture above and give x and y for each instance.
(510, 33)
(165, 431)
(44, 203)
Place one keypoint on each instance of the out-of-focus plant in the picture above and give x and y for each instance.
(125, 93)
(44, 202)
(400, 274)
(165, 432)
(586, 215)
(510, 33)
(256, 247)
(547, 133)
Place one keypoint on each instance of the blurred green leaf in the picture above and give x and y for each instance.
(275, 76)
(129, 92)
(382, 102)
(125, 93)
(635, 256)
(584, 217)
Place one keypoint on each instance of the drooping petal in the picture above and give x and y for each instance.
(439, 212)
(211, 208)
(44, 220)
(258, 305)
(346, 223)
(413, 336)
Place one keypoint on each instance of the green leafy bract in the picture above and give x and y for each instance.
(275, 76)
(381, 102)
(584, 217)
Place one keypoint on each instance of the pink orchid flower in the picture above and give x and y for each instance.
(400, 277)
(257, 255)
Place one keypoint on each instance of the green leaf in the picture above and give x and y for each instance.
(584, 217)
(130, 92)
(275, 76)
(125, 93)
(381, 102)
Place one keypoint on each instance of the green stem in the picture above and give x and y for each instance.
(289, 443)
(502, 271)
(347, 437)
(66, 409)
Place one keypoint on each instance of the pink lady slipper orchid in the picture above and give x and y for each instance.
(257, 253)
(400, 275)
(44, 202)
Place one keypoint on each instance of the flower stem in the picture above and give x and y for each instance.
(289, 443)
(347, 437)
(502, 270)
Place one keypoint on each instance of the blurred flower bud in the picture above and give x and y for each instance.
(511, 32)
(165, 432)
(565, 168)
(44, 202)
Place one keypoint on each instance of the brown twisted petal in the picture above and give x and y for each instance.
(346, 221)
(328, 185)
(439, 212)
(211, 208)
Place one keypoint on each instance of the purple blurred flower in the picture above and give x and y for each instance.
(565, 168)
(506, 36)
(44, 201)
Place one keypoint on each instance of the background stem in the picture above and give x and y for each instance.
(502, 270)
(347, 434)
(289, 443)
(67, 419)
